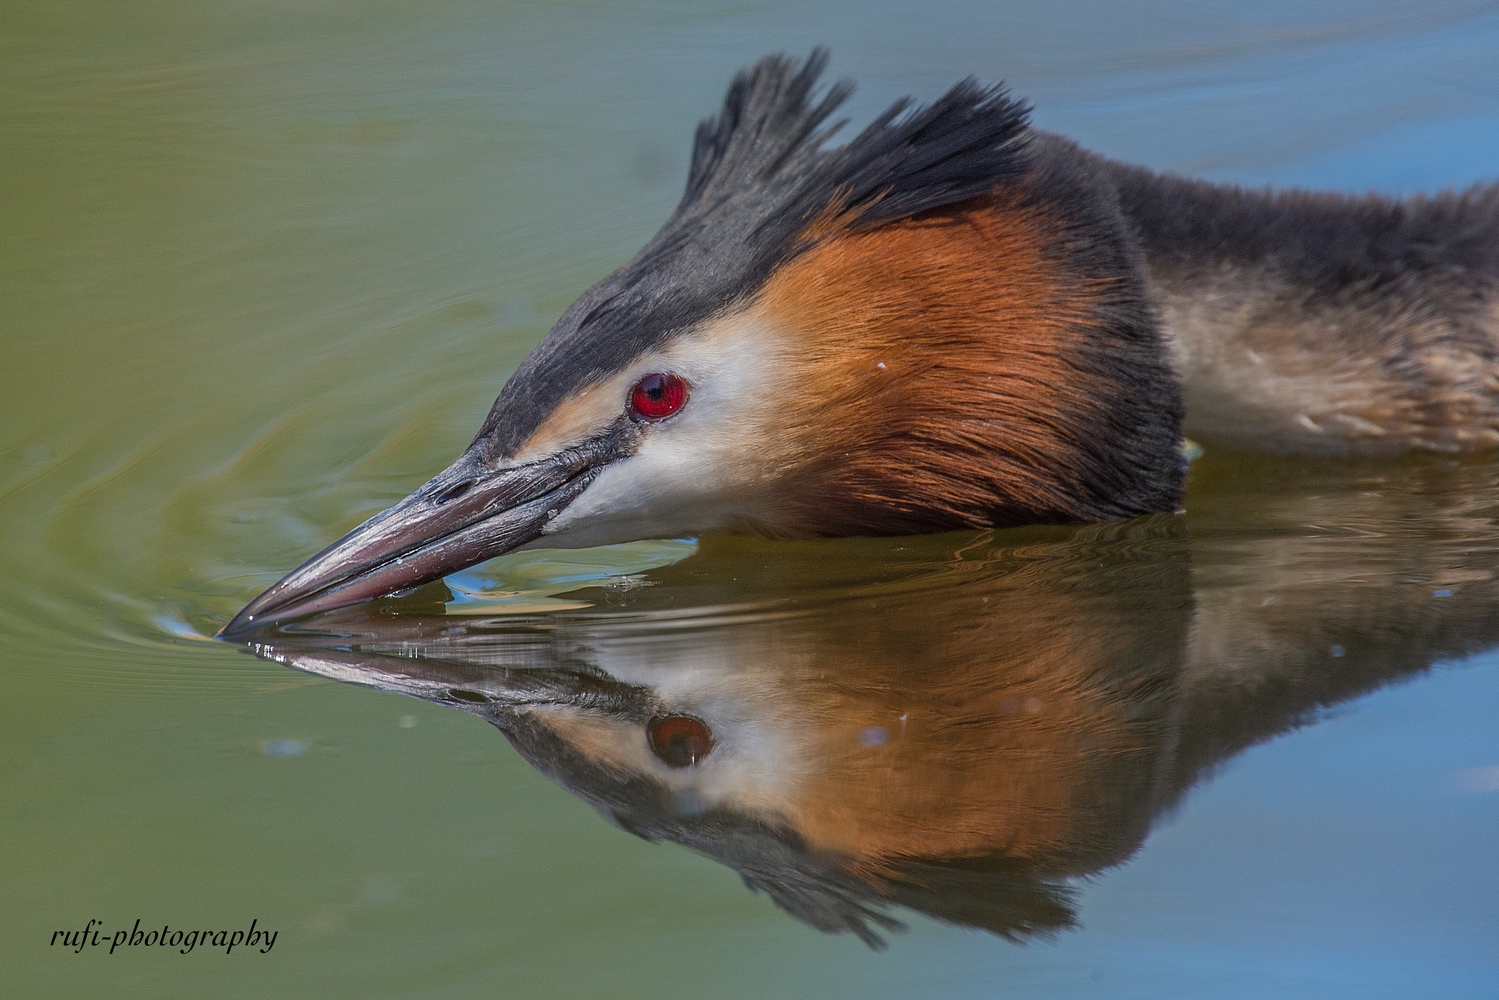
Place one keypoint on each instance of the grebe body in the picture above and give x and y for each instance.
(952, 321)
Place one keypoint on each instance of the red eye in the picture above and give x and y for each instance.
(679, 740)
(657, 397)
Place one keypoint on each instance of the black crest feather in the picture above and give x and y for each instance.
(770, 135)
(767, 118)
(760, 174)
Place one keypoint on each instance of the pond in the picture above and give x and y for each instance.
(264, 267)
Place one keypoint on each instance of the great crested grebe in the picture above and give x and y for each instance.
(953, 321)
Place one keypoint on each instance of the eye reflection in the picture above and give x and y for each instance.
(679, 740)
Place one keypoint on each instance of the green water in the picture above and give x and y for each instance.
(263, 266)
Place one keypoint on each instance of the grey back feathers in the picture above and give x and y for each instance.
(1315, 322)
(760, 175)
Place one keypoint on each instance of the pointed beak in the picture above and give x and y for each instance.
(468, 513)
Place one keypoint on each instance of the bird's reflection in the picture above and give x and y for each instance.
(965, 727)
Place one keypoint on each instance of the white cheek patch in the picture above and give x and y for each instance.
(727, 776)
(707, 467)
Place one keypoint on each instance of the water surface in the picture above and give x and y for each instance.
(263, 268)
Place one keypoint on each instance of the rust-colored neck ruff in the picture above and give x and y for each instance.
(973, 367)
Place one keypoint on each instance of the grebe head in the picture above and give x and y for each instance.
(928, 328)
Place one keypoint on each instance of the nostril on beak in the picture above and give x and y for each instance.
(454, 492)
